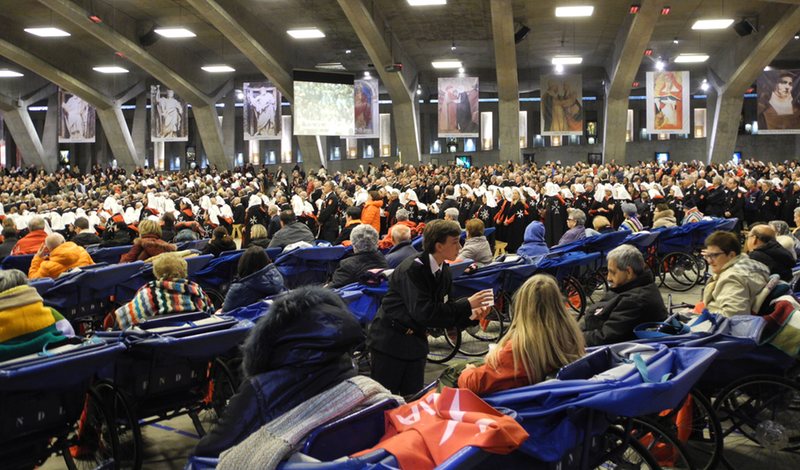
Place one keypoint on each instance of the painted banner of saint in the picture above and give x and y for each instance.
(562, 105)
(779, 102)
(169, 116)
(262, 111)
(77, 119)
(458, 107)
(668, 102)
(366, 105)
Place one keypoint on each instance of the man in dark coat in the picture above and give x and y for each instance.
(763, 247)
(633, 299)
(418, 299)
(329, 214)
(402, 248)
(291, 232)
(734, 203)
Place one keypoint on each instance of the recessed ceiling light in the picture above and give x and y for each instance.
(574, 11)
(307, 33)
(461, 70)
(425, 3)
(5, 73)
(347, 51)
(675, 41)
(218, 68)
(712, 24)
(173, 33)
(559, 68)
(330, 66)
(566, 60)
(691, 58)
(659, 64)
(109, 69)
(446, 64)
(367, 74)
(48, 32)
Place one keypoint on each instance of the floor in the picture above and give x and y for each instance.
(168, 444)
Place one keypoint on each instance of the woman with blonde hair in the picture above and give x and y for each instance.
(148, 244)
(543, 337)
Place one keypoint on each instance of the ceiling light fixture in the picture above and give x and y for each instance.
(660, 64)
(239, 95)
(704, 86)
(453, 46)
(306, 33)
(566, 60)
(109, 69)
(367, 74)
(574, 11)
(219, 68)
(48, 32)
(767, 68)
(446, 64)
(5, 73)
(797, 36)
(425, 3)
(174, 33)
(347, 51)
(559, 68)
(675, 41)
(691, 58)
(461, 70)
(712, 24)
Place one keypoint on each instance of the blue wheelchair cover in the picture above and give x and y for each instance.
(65, 291)
(309, 265)
(250, 312)
(726, 224)
(487, 277)
(642, 240)
(219, 271)
(101, 282)
(21, 262)
(110, 255)
(362, 300)
(618, 380)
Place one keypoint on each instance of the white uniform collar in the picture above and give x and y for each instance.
(435, 267)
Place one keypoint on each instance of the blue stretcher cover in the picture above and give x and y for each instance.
(672, 239)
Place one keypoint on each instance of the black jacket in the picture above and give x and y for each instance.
(415, 301)
(218, 245)
(238, 214)
(613, 319)
(350, 269)
(7, 246)
(776, 257)
(329, 218)
(85, 239)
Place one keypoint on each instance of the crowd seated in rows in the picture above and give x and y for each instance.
(258, 236)
(169, 293)
(257, 278)
(476, 246)
(26, 325)
(633, 298)
(220, 241)
(402, 248)
(736, 279)
(149, 243)
(365, 257)
(542, 338)
(298, 350)
(291, 231)
(402, 219)
(30, 243)
(56, 257)
(762, 246)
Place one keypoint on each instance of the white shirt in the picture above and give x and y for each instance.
(435, 267)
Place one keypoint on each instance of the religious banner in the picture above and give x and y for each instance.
(76, 123)
(169, 116)
(562, 105)
(262, 111)
(458, 107)
(668, 102)
(366, 103)
(778, 102)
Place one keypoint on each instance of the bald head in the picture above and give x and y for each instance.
(759, 235)
(400, 233)
(53, 241)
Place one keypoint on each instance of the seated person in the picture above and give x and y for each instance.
(10, 238)
(533, 244)
(664, 216)
(220, 241)
(258, 236)
(784, 237)
(476, 247)
(451, 213)
(30, 243)
(352, 217)
(762, 246)
(543, 337)
(401, 249)
(169, 293)
(26, 325)
(83, 236)
(691, 216)
(633, 298)
(168, 227)
(118, 234)
(602, 225)
(402, 219)
(256, 278)
(366, 256)
(56, 257)
(148, 244)
(631, 222)
(576, 222)
(736, 279)
(291, 231)
(298, 350)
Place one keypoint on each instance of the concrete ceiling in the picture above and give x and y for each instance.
(416, 37)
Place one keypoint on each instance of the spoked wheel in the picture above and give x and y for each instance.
(595, 286)
(575, 296)
(217, 297)
(679, 271)
(664, 446)
(126, 426)
(94, 442)
(443, 344)
(762, 409)
(621, 451)
(491, 328)
(222, 387)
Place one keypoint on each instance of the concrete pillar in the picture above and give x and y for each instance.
(50, 134)
(140, 130)
(311, 148)
(207, 120)
(119, 137)
(21, 128)
(229, 125)
(507, 80)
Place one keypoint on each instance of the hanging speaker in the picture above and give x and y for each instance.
(149, 38)
(521, 33)
(744, 27)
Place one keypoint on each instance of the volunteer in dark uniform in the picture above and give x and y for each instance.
(329, 214)
(734, 203)
(418, 298)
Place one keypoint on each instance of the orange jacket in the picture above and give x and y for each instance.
(371, 214)
(64, 257)
(30, 243)
(485, 379)
(388, 242)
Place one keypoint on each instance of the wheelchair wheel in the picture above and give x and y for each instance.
(94, 442)
(679, 271)
(621, 451)
(762, 409)
(661, 444)
(222, 386)
(595, 286)
(126, 425)
(575, 296)
(443, 344)
(217, 297)
(492, 329)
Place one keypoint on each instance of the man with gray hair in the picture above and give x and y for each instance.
(30, 243)
(402, 249)
(366, 256)
(451, 213)
(633, 298)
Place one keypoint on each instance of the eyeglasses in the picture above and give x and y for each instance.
(712, 256)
